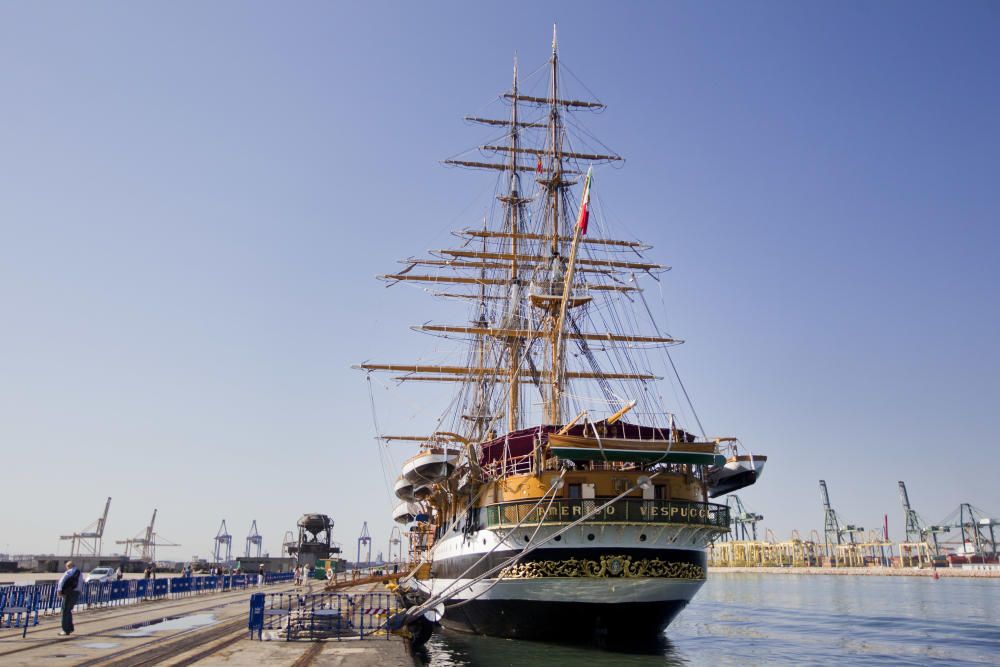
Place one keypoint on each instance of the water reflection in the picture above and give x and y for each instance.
(740, 619)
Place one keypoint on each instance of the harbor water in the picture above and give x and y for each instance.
(757, 619)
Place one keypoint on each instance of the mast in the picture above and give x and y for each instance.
(554, 186)
(514, 345)
(528, 263)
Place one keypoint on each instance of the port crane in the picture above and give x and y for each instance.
(364, 539)
(395, 545)
(834, 531)
(88, 541)
(223, 545)
(740, 518)
(143, 546)
(255, 542)
(977, 532)
(917, 530)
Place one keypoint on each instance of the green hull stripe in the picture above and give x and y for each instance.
(580, 454)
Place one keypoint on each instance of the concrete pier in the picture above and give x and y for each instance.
(205, 630)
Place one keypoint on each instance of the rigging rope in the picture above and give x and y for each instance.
(435, 599)
(674, 367)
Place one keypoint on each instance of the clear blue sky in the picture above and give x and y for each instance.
(196, 196)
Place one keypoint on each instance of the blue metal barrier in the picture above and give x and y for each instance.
(21, 606)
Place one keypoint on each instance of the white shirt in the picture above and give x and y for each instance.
(66, 575)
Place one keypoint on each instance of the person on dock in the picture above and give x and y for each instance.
(69, 588)
(260, 575)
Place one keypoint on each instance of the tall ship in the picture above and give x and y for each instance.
(562, 494)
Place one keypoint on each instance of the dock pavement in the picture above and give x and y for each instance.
(205, 630)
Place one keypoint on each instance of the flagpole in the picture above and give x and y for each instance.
(578, 231)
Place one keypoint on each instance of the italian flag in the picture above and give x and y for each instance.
(581, 220)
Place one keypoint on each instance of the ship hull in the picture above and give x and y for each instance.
(613, 622)
(607, 596)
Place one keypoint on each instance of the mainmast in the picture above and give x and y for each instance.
(554, 408)
(514, 296)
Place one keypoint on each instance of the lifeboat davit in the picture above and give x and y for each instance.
(431, 465)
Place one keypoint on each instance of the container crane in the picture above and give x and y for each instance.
(364, 539)
(88, 541)
(223, 545)
(834, 531)
(255, 542)
(916, 529)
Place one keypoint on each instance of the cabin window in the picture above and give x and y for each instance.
(662, 492)
(574, 491)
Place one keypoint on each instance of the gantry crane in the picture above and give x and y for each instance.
(916, 529)
(833, 530)
(739, 518)
(255, 541)
(144, 543)
(223, 545)
(88, 541)
(364, 539)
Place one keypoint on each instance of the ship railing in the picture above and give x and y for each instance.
(514, 465)
(625, 511)
(523, 465)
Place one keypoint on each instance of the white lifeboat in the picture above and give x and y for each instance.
(406, 512)
(739, 471)
(403, 489)
(431, 465)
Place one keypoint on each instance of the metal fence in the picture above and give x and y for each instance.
(21, 606)
(312, 616)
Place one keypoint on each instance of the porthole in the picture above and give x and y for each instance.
(642, 538)
(558, 538)
(527, 539)
(590, 537)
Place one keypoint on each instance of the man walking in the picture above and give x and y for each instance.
(70, 587)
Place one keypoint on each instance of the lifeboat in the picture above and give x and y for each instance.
(431, 465)
(403, 489)
(738, 472)
(406, 512)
